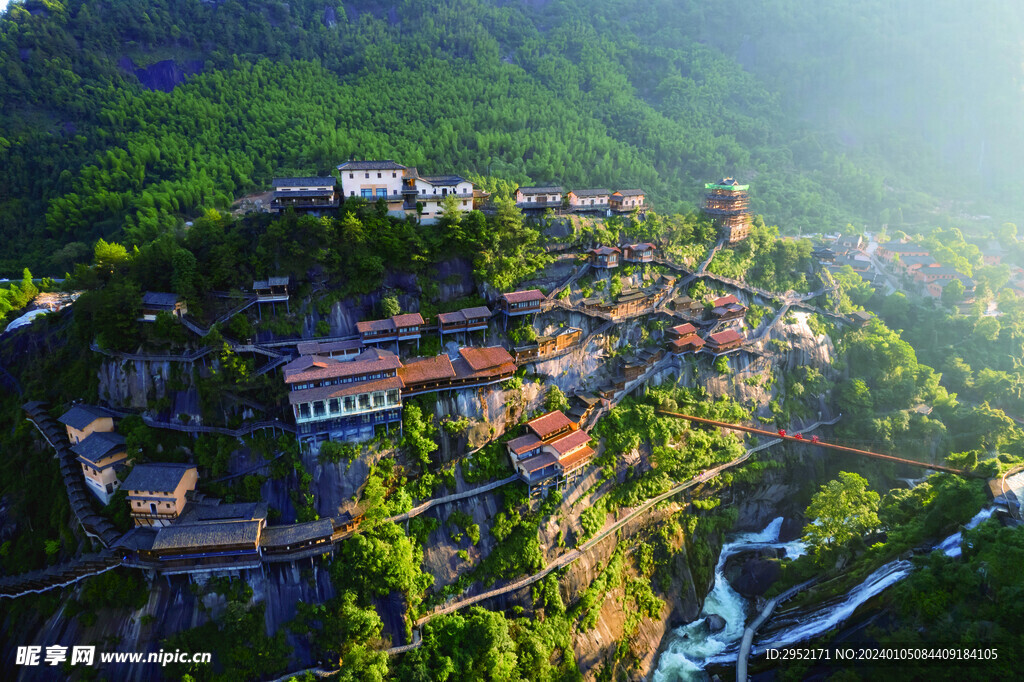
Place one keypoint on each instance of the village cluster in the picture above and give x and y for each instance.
(909, 266)
(406, 192)
(347, 389)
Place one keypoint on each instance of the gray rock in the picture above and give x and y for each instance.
(715, 623)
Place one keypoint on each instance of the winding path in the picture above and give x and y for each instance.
(750, 630)
(570, 557)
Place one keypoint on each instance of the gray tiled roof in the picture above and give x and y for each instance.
(201, 535)
(303, 193)
(541, 190)
(443, 179)
(161, 477)
(318, 181)
(159, 299)
(98, 445)
(371, 165)
(80, 416)
(297, 533)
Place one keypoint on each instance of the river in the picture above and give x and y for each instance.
(693, 646)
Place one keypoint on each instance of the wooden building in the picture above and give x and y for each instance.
(102, 456)
(549, 346)
(465, 320)
(213, 546)
(583, 405)
(552, 454)
(685, 304)
(406, 327)
(539, 198)
(605, 257)
(340, 350)
(638, 253)
(156, 491)
(629, 303)
(272, 289)
(683, 339)
(340, 400)
(473, 368)
(583, 200)
(519, 303)
(728, 204)
(723, 342)
(154, 303)
(686, 344)
(307, 195)
(727, 308)
(627, 200)
(311, 538)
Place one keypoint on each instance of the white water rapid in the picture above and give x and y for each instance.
(693, 647)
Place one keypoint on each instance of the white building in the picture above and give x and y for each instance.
(403, 188)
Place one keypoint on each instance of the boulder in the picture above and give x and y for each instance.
(715, 623)
(791, 530)
(756, 576)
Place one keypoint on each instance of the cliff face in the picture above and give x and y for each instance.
(596, 647)
(132, 383)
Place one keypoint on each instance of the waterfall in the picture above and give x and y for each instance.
(693, 647)
(694, 644)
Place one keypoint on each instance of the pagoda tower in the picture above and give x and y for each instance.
(728, 203)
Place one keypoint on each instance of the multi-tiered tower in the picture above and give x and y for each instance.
(728, 203)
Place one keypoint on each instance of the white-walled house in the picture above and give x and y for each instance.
(403, 188)
(430, 190)
(539, 197)
(373, 180)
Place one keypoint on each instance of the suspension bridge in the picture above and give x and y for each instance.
(798, 438)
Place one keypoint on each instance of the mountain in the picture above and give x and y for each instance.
(118, 120)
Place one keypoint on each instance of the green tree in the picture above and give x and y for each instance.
(109, 256)
(844, 509)
(555, 399)
(389, 306)
(953, 293)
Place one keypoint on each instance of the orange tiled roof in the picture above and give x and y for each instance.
(549, 423)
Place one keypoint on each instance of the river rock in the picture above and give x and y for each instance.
(756, 576)
(791, 530)
(715, 623)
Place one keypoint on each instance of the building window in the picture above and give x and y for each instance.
(333, 405)
(304, 410)
(394, 175)
(350, 403)
(464, 203)
(382, 192)
(367, 175)
(364, 401)
(378, 175)
(367, 193)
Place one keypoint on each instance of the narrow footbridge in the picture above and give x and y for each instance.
(798, 438)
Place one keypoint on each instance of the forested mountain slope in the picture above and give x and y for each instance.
(663, 95)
